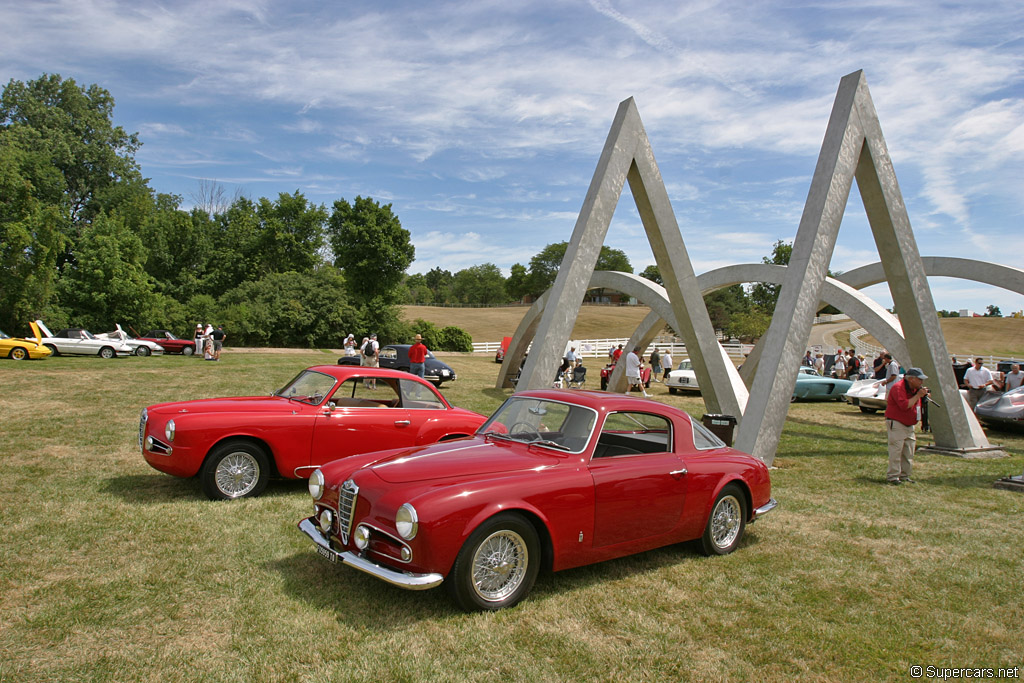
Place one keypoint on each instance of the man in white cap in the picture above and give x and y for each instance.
(902, 413)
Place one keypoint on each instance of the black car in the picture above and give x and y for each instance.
(396, 357)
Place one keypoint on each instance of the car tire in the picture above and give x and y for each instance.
(726, 523)
(141, 350)
(868, 410)
(18, 353)
(497, 566)
(236, 469)
(671, 390)
(107, 352)
(187, 351)
(53, 349)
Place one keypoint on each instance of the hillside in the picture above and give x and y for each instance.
(984, 336)
(491, 324)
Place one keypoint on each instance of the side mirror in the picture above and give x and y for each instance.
(331, 405)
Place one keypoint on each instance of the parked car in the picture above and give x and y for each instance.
(19, 348)
(682, 378)
(141, 347)
(555, 478)
(499, 355)
(810, 386)
(327, 412)
(74, 341)
(868, 395)
(606, 373)
(396, 356)
(1002, 410)
(170, 342)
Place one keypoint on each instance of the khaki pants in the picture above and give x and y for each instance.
(901, 449)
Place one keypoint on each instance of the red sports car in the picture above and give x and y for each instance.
(327, 412)
(555, 478)
(171, 343)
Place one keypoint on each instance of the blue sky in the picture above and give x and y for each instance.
(481, 122)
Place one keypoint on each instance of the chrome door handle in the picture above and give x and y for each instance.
(678, 473)
(402, 423)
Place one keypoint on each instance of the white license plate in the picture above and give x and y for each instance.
(685, 380)
(324, 552)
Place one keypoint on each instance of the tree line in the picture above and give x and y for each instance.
(85, 241)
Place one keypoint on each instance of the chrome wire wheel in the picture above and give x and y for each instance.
(726, 521)
(500, 564)
(237, 474)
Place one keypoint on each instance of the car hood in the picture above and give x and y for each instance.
(464, 458)
(248, 404)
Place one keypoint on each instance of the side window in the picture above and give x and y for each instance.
(630, 433)
(418, 397)
(367, 393)
(703, 438)
(388, 353)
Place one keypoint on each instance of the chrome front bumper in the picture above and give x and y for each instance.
(765, 509)
(415, 582)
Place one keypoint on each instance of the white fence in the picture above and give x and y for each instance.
(598, 348)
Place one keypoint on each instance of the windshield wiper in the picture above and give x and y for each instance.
(499, 435)
(550, 444)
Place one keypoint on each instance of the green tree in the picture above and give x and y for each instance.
(483, 284)
(290, 234)
(545, 265)
(749, 325)
(179, 246)
(440, 283)
(518, 283)
(108, 283)
(416, 289)
(371, 247)
(763, 295)
(724, 304)
(653, 274)
(30, 242)
(993, 312)
(82, 162)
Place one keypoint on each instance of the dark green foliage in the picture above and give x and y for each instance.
(544, 266)
(291, 309)
(454, 339)
(430, 332)
(483, 284)
(371, 247)
(653, 274)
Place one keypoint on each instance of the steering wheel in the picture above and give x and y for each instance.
(528, 429)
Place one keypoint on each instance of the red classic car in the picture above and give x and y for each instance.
(327, 412)
(555, 478)
(171, 343)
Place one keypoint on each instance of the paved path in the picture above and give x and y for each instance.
(824, 335)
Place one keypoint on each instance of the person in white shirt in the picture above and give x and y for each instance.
(666, 361)
(633, 371)
(977, 379)
(1013, 379)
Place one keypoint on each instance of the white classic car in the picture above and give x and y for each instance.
(79, 342)
(868, 395)
(140, 347)
(682, 378)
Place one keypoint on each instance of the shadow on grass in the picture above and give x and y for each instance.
(362, 601)
(162, 488)
(983, 481)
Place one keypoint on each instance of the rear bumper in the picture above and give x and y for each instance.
(405, 580)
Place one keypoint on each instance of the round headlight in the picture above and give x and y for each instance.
(326, 520)
(361, 537)
(169, 430)
(406, 522)
(316, 484)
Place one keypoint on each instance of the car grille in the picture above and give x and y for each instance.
(142, 426)
(347, 498)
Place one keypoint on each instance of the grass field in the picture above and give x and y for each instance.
(111, 571)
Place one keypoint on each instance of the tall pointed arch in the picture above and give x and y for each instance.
(627, 155)
(853, 148)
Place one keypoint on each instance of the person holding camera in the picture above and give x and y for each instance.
(902, 413)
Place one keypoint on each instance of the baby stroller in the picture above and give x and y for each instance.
(579, 377)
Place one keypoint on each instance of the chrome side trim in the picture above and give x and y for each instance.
(765, 509)
(405, 580)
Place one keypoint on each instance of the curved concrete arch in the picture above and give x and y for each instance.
(645, 291)
(1004, 277)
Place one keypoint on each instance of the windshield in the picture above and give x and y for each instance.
(549, 423)
(685, 365)
(3, 336)
(308, 387)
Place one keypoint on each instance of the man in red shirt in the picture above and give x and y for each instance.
(418, 357)
(902, 411)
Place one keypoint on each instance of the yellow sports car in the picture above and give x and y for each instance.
(17, 348)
